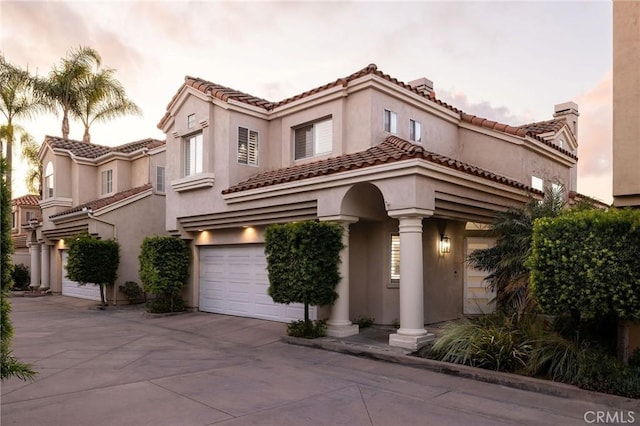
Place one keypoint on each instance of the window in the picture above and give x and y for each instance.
(160, 179)
(415, 131)
(193, 155)
(390, 121)
(395, 258)
(48, 181)
(537, 183)
(14, 220)
(247, 146)
(30, 215)
(313, 139)
(561, 143)
(191, 121)
(107, 182)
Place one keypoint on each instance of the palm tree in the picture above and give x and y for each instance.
(63, 86)
(103, 98)
(19, 99)
(30, 151)
(505, 262)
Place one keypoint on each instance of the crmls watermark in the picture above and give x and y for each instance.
(610, 417)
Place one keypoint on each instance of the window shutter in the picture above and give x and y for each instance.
(395, 258)
(323, 132)
(160, 179)
(253, 148)
(304, 142)
(242, 145)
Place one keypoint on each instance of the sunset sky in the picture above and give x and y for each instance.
(506, 61)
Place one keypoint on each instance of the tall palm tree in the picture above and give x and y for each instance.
(19, 99)
(30, 151)
(64, 84)
(103, 98)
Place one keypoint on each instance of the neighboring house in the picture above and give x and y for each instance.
(25, 213)
(410, 178)
(626, 103)
(108, 192)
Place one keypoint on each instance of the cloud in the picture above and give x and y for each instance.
(483, 109)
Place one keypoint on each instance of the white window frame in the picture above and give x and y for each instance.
(191, 121)
(193, 150)
(321, 139)
(394, 260)
(247, 148)
(106, 180)
(390, 121)
(48, 181)
(415, 131)
(160, 179)
(14, 220)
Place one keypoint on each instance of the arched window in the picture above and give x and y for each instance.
(48, 181)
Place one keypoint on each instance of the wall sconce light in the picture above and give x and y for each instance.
(445, 244)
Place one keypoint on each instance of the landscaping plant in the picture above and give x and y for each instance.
(164, 270)
(21, 277)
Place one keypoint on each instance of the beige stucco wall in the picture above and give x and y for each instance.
(626, 103)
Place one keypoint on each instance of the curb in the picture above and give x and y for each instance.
(532, 384)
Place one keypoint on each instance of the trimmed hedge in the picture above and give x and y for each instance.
(588, 262)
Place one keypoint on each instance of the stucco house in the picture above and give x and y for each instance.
(111, 193)
(25, 212)
(412, 180)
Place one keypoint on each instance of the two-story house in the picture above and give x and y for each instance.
(25, 212)
(108, 192)
(410, 178)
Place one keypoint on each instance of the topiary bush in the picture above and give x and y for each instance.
(364, 321)
(133, 292)
(164, 270)
(307, 329)
(21, 277)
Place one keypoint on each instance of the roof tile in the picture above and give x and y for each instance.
(27, 200)
(393, 149)
(90, 150)
(104, 202)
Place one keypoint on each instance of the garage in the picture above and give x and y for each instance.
(234, 281)
(73, 289)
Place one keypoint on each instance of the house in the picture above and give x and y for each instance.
(25, 211)
(108, 192)
(412, 180)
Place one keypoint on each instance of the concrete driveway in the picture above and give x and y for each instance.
(120, 367)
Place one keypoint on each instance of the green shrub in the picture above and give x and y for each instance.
(307, 329)
(21, 277)
(601, 372)
(634, 358)
(133, 292)
(164, 269)
(364, 321)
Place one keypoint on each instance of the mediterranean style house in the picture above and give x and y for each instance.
(108, 192)
(626, 103)
(25, 212)
(412, 180)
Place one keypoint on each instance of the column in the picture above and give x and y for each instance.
(45, 259)
(411, 334)
(34, 251)
(339, 324)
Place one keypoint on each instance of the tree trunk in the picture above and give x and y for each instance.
(65, 124)
(306, 313)
(102, 301)
(623, 341)
(86, 138)
(9, 158)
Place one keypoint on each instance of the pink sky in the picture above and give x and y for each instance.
(507, 61)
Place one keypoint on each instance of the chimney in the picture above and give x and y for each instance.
(423, 85)
(568, 111)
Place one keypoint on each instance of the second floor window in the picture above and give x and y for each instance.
(191, 121)
(313, 139)
(415, 131)
(537, 183)
(160, 179)
(193, 155)
(247, 146)
(48, 181)
(107, 182)
(390, 121)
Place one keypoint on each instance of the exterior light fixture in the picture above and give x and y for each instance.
(445, 244)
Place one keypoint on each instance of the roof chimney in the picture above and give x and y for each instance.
(568, 111)
(423, 85)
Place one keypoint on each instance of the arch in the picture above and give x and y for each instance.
(364, 200)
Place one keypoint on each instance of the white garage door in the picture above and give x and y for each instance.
(234, 281)
(477, 296)
(73, 289)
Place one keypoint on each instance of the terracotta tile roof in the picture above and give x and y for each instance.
(548, 126)
(19, 241)
(26, 200)
(103, 202)
(90, 150)
(393, 149)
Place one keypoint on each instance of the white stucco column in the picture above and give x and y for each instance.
(411, 334)
(45, 260)
(339, 324)
(34, 251)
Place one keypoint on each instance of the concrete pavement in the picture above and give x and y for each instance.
(121, 367)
